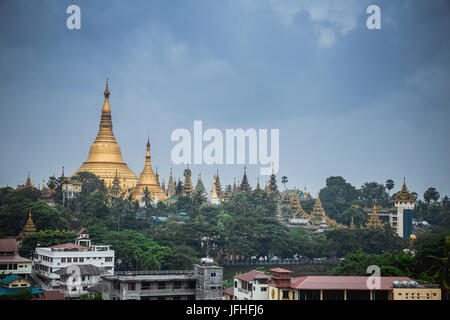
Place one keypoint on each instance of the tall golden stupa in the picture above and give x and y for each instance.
(148, 180)
(105, 158)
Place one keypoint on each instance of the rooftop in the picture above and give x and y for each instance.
(85, 269)
(69, 246)
(342, 282)
(250, 276)
(229, 291)
(9, 279)
(280, 270)
(13, 259)
(50, 295)
(8, 245)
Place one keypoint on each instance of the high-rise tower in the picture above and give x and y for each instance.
(401, 222)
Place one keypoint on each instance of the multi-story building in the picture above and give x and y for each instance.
(250, 286)
(76, 279)
(281, 286)
(202, 283)
(10, 261)
(48, 260)
(209, 280)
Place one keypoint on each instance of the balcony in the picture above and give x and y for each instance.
(167, 292)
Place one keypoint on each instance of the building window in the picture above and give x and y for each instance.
(213, 274)
(63, 260)
(108, 259)
(132, 286)
(146, 285)
(177, 285)
(285, 294)
(69, 259)
(263, 289)
(161, 285)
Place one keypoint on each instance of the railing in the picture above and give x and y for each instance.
(165, 292)
(329, 261)
(39, 282)
(153, 272)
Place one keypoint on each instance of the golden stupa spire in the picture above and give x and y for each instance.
(148, 179)
(105, 155)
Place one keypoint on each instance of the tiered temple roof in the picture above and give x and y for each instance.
(374, 220)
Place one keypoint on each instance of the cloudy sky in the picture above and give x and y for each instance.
(367, 105)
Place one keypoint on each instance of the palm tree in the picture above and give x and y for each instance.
(431, 194)
(390, 185)
(284, 180)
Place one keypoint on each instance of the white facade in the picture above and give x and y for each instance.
(255, 289)
(50, 259)
(75, 286)
(396, 220)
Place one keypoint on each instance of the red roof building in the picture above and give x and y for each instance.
(10, 261)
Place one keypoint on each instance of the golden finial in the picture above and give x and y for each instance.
(107, 89)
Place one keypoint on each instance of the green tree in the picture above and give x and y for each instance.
(390, 185)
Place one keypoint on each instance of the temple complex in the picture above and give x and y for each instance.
(105, 158)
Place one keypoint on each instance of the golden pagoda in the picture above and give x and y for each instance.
(171, 186)
(105, 157)
(258, 187)
(27, 185)
(200, 187)
(318, 209)
(374, 219)
(187, 189)
(148, 180)
(235, 189)
(216, 192)
(114, 190)
(352, 224)
(29, 228)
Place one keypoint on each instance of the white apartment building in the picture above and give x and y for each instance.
(252, 285)
(76, 279)
(48, 260)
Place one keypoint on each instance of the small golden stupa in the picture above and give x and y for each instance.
(148, 180)
(374, 219)
(29, 227)
(105, 158)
